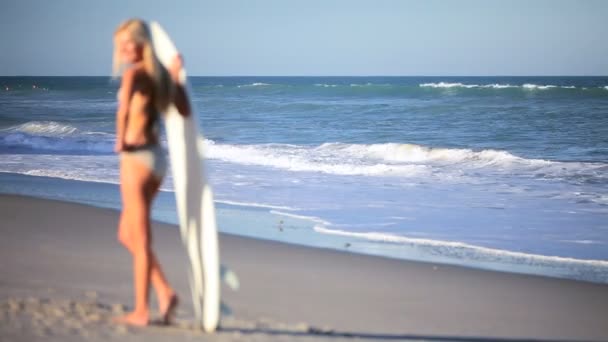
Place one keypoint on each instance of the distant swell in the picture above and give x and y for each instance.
(397, 89)
(527, 86)
(461, 85)
(256, 84)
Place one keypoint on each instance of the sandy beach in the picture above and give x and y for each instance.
(64, 275)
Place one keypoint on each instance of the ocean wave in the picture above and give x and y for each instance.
(468, 86)
(62, 145)
(583, 242)
(255, 84)
(448, 85)
(387, 88)
(44, 128)
(55, 136)
(96, 168)
(412, 153)
(326, 85)
(369, 84)
(387, 159)
(536, 86)
(528, 86)
(304, 159)
(359, 85)
(401, 160)
(582, 269)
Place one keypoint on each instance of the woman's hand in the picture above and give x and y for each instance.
(176, 66)
(119, 146)
(180, 99)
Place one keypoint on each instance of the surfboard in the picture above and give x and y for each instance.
(193, 196)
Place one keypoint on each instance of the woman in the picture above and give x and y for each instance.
(147, 88)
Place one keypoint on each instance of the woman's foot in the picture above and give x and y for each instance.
(168, 307)
(132, 318)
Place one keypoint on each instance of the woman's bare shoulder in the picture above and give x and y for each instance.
(138, 77)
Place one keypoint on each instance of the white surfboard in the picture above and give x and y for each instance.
(193, 195)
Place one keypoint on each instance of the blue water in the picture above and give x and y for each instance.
(507, 173)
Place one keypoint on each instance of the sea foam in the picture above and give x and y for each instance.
(582, 269)
(400, 160)
(527, 86)
(54, 136)
(44, 128)
(255, 84)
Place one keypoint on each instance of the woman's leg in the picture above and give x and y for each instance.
(135, 233)
(167, 299)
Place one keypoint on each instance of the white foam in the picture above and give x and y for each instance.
(472, 252)
(536, 86)
(255, 84)
(399, 160)
(448, 85)
(313, 219)
(255, 205)
(412, 153)
(96, 168)
(304, 159)
(499, 86)
(43, 128)
(388, 159)
(62, 144)
(462, 85)
(55, 136)
(582, 242)
(368, 84)
(353, 85)
(66, 174)
(528, 86)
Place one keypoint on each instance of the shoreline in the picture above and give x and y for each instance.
(287, 291)
(229, 235)
(303, 231)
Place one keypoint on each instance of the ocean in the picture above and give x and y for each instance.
(502, 173)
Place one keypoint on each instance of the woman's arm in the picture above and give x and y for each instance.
(124, 99)
(180, 99)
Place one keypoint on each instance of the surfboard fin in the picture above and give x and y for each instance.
(229, 277)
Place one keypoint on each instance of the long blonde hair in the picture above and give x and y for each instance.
(140, 33)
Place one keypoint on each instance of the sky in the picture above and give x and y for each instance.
(317, 37)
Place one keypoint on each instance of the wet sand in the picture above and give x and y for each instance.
(64, 275)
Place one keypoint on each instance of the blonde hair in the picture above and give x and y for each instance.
(140, 33)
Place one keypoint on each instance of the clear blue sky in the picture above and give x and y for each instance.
(317, 37)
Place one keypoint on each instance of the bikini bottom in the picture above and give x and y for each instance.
(151, 155)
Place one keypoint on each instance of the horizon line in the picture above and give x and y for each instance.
(520, 75)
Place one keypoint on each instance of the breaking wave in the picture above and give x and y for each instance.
(55, 136)
(404, 160)
(528, 86)
(255, 84)
(44, 128)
